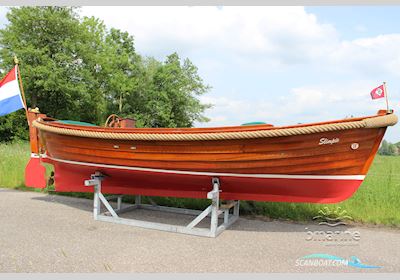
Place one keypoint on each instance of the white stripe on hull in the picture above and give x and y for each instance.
(182, 172)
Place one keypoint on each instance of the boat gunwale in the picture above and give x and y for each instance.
(222, 129)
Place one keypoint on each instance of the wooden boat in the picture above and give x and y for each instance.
(320, 162)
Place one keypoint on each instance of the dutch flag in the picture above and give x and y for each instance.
(10, 95)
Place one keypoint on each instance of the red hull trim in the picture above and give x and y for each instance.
(321, 189)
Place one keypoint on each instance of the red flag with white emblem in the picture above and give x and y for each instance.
(378, 92)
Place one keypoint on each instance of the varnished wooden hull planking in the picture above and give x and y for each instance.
(280, 155)
(288, 168)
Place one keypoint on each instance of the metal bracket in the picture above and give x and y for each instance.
(229, 217)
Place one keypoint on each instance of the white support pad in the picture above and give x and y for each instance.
(112, 214)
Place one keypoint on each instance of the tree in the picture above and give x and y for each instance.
(57, 52)
(398, 147)
(125, 74)
(14, 127)
(75, 68)
(393, 151)
(172, 93)
(384, 149)
(389, 149)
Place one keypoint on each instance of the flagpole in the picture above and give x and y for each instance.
(386, 97)
(20, 82)
(22, 89)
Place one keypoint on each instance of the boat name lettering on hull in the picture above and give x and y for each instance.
(326, 141)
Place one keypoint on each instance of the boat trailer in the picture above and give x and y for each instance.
(230, 211)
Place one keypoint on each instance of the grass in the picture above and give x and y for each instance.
(13, 158)
(377, 201)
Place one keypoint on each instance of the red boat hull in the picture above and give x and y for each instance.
(297, 188)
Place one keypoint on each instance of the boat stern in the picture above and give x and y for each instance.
(35, 172)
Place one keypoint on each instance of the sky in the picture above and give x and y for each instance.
(280, 65)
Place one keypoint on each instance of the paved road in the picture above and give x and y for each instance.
(48, 233)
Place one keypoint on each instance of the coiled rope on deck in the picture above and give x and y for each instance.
(373, 122)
